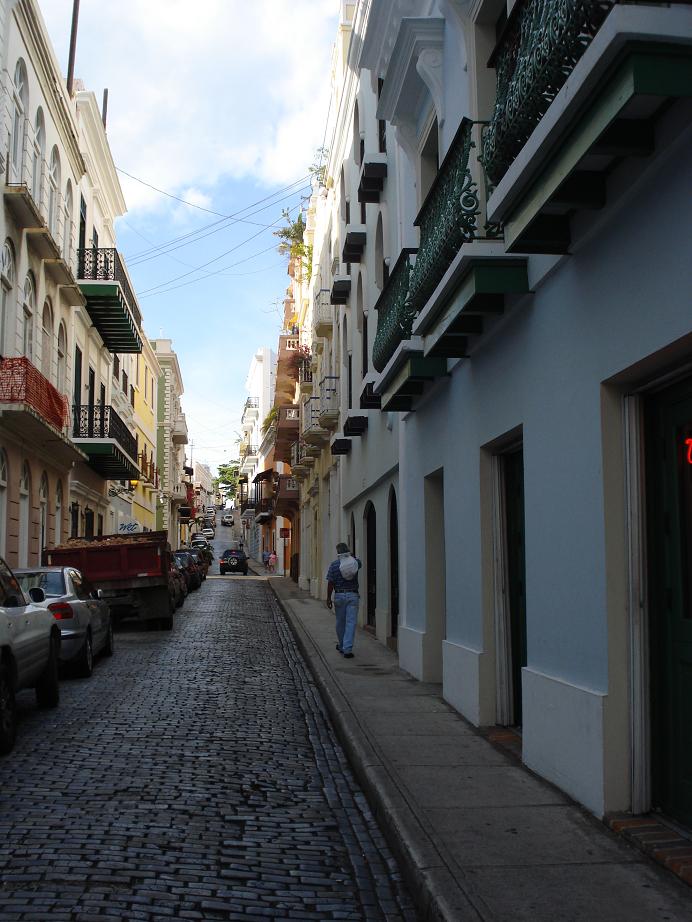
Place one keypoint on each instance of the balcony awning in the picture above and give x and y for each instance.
(111, 316)
(264, 475)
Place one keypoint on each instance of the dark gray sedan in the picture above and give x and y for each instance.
(83, 616)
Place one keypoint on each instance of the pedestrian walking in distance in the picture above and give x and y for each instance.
(342, 582)
(272, 562)
(265, 559)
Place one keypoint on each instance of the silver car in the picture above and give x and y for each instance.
(83, 616)
(29, 649)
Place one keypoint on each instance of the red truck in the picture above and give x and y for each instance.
(133, 571)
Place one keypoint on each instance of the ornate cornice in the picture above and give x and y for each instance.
(416, 59)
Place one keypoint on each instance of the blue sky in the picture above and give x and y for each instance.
(223, 110)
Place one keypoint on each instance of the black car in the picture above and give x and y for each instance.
(233, 561)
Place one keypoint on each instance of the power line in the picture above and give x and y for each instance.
(152, 291)
(134, 261)
(235, 217)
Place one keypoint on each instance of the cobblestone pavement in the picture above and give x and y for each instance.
(194, 776)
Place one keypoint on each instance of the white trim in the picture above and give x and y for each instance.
(504, 695)
(637, 605)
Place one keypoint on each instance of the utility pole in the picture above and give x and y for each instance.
(73, 46)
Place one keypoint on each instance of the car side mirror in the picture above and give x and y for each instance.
(36, 594)
(97, 593)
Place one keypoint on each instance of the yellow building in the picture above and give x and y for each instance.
(147, 372)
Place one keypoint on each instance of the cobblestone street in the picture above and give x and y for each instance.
(194, 776)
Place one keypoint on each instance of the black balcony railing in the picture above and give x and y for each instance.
(537, 51)
(105, 265)
(102, 422)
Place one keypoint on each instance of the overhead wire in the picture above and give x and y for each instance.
(263, 227)
(233, 218)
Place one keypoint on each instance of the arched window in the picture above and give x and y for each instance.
(67, 224)
(358, 142)
(345, 204)
(39, 154)
(24, 515)
(43, 511)
(53, 191)
(47, 340)
(29, 310)
(58, 512)
(362, 320)
(20, 100)
(3, 500)
(62, 358)
(380, 269)
(347, 369)
(7, 278)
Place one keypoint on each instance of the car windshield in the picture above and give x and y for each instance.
(183, 557)
(52, 582)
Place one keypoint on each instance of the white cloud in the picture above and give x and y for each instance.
(203, 91)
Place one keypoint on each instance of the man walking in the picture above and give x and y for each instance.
(342, 582)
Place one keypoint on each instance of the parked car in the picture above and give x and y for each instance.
(226, 519)
(29, 652)
(82, 613)
(190, 569)
(208, 532)
(233, 561)
(200, 559)
(178, 581)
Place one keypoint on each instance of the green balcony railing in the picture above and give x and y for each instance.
(537, 51)
(394, 314)
(447, 219)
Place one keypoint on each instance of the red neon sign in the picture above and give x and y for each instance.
(688, 443)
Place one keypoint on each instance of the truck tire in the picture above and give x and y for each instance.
(48, 686)
(166, 624)
(8, 711)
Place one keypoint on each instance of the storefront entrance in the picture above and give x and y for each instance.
(669, 515)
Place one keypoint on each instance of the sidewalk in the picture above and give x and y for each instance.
(479, 837)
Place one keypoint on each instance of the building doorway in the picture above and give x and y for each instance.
(370, 566)
(509, 582)
(393, 567)
(435, 576)
(669, 534)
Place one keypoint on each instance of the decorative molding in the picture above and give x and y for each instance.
(415, 63)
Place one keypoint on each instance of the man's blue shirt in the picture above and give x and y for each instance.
(336, 579)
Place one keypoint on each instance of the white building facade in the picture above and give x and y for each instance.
(505, 295)
(66, 307)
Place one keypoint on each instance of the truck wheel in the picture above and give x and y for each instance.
(48, 687)
(8, 711)
(85, 660)
(166, 624)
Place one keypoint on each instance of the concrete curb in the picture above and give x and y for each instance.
(433, 886)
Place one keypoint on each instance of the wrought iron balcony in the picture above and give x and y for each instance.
(111, 303)
(300, 460)
(447, 219)
(394, 313)
(106, 440)
(322, 312)
(329, 402)
(250, 410)
(537, 51)
(313, 431)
